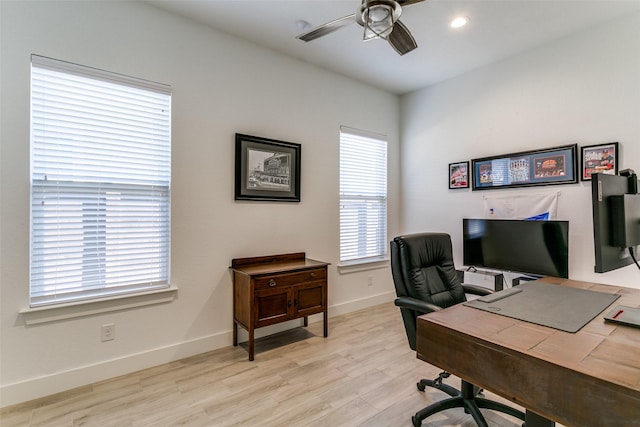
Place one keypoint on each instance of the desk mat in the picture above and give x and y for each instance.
(559, 307)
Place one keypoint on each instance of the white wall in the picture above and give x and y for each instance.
(584, 89)
(220, 86)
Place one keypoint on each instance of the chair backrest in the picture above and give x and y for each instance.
(422, 268)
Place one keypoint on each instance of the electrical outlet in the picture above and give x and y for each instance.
(370, 281)
(109, 332)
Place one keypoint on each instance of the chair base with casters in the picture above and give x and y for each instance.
(467, 397)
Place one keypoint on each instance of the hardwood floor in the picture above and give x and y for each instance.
(363, 374)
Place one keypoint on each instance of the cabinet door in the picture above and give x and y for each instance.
(272, 306)
(309, 298)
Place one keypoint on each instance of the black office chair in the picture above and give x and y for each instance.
(426, 280)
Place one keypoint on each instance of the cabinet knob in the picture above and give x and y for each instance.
(313, 275)
(272, 283)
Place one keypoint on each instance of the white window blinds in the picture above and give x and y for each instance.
(363, 196)
(100, 183)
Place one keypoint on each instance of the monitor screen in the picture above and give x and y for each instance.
(530, 247)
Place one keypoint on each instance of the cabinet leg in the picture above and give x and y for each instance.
(235, 334)
(306, 321)
(251, 344)
(326, 323)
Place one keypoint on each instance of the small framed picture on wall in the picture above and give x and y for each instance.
(459, 175)
(601, 158)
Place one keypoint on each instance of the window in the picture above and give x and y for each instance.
(100, 183)
(363, 196)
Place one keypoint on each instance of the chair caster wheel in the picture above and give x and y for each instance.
(416, 422)
(421, 387)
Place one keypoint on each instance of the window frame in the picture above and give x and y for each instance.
(363, 197)
(152, 193)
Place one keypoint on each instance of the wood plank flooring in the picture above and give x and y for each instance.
(363, 374)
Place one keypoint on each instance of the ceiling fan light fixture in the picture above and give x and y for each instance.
(378, 23)
(378, 18)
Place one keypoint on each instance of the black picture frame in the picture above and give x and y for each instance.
(267, 169)
(598, 159)
(458, 175)
(557, 165)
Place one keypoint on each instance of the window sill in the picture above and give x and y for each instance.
(356, 266)
(54, 313)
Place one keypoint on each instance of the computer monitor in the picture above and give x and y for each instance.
(616, 220)
(523, 246)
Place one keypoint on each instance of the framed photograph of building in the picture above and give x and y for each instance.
(267, 169)
(557, 165)
(459, 175)
(602, 158)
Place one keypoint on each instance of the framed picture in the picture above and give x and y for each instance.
(267, 169)
(602, 158)
(557, 165)
(459, 175)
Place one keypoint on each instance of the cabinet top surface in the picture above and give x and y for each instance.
(278, 264)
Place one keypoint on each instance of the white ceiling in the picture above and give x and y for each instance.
(497, 29)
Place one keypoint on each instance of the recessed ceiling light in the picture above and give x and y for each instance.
(459, 21)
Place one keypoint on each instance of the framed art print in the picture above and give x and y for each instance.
(602, 158)
(557, 165)
(267, 169)
(459, 175)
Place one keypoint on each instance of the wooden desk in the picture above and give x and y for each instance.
(590, 378)
(273, 289)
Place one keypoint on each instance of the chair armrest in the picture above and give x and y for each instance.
(416, 305)
(477, 290)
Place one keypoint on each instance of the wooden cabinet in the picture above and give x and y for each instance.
(273, 289)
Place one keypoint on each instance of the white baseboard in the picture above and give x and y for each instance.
(359, 304)
(34, 388)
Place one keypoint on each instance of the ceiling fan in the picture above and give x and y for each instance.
(380, 19)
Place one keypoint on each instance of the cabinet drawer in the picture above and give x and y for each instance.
(289, 279)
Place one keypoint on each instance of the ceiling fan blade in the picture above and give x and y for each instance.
(327, 28)
(408, 2)
(401, 39)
